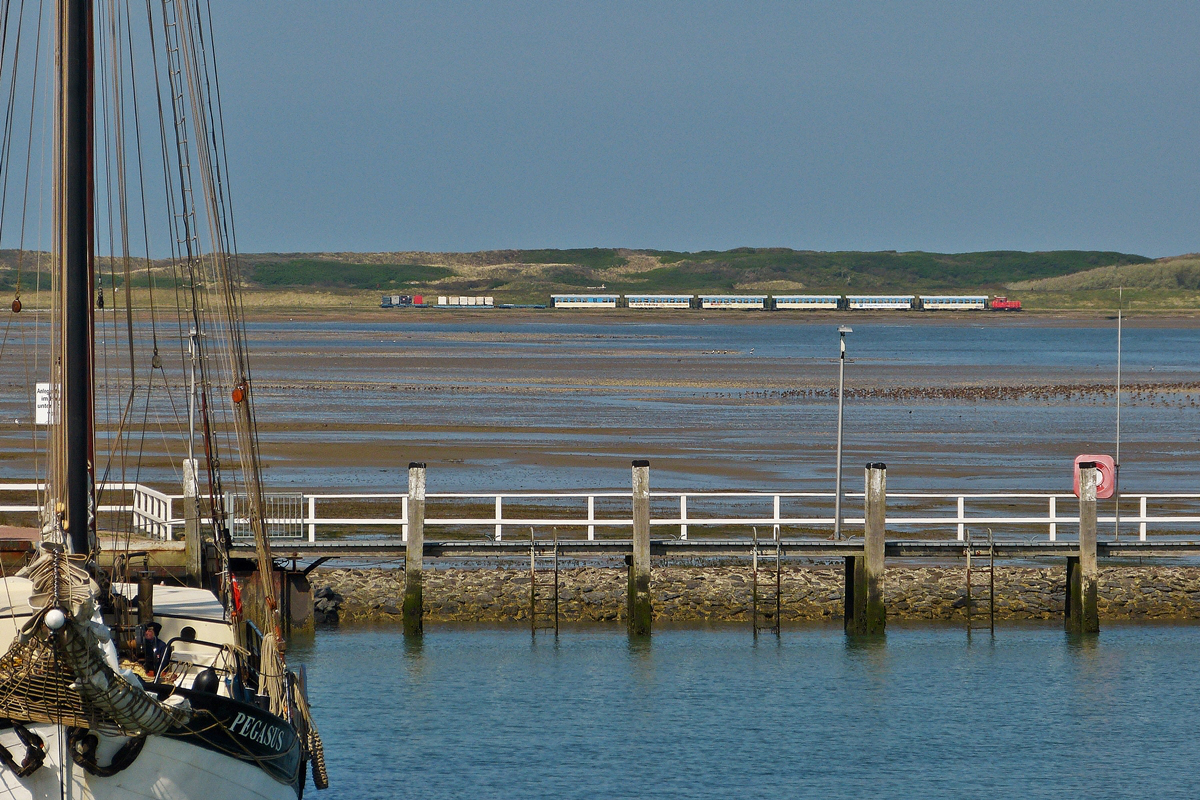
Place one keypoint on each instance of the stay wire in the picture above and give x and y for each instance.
(33, 94)
(10, 107)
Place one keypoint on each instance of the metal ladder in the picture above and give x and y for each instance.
(543, 584)
(981, 576)
(766, 605)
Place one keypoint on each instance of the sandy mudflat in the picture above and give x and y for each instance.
(499, 401)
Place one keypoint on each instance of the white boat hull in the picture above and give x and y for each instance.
(166, 769)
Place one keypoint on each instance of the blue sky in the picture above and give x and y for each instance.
(955, 126)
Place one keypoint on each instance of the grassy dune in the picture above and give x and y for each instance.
(1168, 284)
(1170, 274)
(1057, 280)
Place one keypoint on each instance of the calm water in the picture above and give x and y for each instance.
(927, 713)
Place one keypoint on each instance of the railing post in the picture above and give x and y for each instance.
(639, 564)
(168, 516)
(683, 527)
(591, 517)
(499, 516)
(312, 518)
(962, 512)
(404, 517)
(1082, 615)
(1142, 526)
(776, 527)
(1053, 516)
(414, 553)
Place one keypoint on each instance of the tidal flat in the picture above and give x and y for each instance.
(554, 402)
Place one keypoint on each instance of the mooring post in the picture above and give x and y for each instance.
(874, 533)
(414, 552)
(1082, 615)
(865, 611)
(639, 609)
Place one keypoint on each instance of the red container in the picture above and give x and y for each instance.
(1106, 479)
(418, 300)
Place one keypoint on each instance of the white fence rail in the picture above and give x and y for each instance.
(150, 512)
(683, 514)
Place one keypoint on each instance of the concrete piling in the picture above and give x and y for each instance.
(193, 543)
(1082, 615)
(414, 552)
(865, 610)
(638, 606)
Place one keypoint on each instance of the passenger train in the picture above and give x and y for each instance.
(790, 302)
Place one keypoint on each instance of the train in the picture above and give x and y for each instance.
(792, 302)
(731, 302)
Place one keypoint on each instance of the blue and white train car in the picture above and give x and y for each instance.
(807, 302)
(954, 302)
(755, 302)
(659, 300)
(887, 302)
(584, 300)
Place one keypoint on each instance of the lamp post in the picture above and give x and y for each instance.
(837, 496)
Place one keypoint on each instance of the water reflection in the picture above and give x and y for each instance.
(497, 714)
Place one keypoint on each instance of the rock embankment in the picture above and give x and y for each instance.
(597, 594)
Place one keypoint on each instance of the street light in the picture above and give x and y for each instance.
(837, 497)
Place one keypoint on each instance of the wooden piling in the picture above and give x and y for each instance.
(414, 552)
(1082, 615)
(638, 607)
(865, 610)
(850, 595)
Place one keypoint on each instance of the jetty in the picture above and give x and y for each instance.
(640, 526)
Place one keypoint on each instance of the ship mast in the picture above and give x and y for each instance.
(73, 220)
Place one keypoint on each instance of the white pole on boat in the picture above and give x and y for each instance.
(837, 495)
(191, 508)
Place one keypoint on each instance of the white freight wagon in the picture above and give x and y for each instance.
(953, 302)
(734, 301)
(807, 302)
(659, 300)
(892, 302)
(584, 300)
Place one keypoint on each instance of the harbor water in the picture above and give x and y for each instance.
(926, 712)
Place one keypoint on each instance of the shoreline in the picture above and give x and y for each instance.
(1167, 318)
(1093, 318)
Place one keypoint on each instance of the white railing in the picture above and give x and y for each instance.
(948, 511)
(150, 509)
(152, 512)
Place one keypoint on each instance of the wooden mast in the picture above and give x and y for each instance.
(74, 221)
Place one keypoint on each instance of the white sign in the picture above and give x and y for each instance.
(45, 413)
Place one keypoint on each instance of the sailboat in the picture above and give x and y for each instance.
(111, 687)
